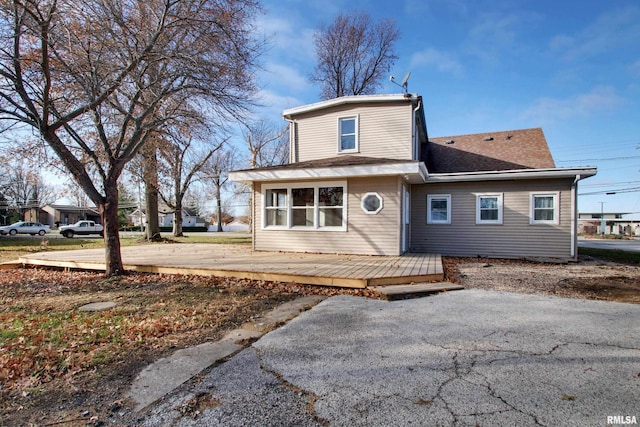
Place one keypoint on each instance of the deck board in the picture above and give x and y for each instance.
(241, 262)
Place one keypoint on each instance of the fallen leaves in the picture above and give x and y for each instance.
(44, 338)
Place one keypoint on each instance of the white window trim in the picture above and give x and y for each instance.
(556, 207)
(500, 197)
(356, 117)
(375, 194)
(316, 208)
(430, 197)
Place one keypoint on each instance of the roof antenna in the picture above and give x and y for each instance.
(405, 81)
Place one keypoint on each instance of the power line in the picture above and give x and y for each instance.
(598, 160)
(611, 192)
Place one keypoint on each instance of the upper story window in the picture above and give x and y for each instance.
(348, 134)
(544, 208)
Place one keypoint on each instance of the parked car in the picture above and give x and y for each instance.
(82, 228)
(25, 227)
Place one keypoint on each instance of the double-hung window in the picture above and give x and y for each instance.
(275, 206)
(305, 207)
(545, 208)
(348, 134)
(439, 209)
(489, 209)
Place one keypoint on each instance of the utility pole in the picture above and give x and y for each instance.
(603, 223)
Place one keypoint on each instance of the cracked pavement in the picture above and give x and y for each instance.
(471, 357)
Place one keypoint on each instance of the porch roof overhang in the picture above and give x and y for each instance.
(413, 172)
(514, 174)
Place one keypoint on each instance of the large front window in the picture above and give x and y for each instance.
(311, 207)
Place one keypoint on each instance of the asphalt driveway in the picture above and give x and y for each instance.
(469, 357)
(622, 245)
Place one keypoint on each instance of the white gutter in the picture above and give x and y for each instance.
(413, 172)
(584, 172)
(354, 99)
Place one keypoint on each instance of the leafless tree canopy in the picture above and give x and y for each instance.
(353, 54)
(96, 78)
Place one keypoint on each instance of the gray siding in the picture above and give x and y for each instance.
(366, 234)
(515, 238)
(385, 131)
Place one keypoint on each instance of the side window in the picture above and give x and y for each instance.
(489, 209)
(545, 208)
(348, 134)
(371, 203)
(439, 209)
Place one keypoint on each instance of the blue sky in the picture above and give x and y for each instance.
(571, 68)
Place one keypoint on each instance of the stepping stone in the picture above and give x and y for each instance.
(98, 306)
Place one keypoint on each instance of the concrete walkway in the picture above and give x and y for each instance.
(465, 358)
(165, 375)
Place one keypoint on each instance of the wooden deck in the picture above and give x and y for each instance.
(353, 271)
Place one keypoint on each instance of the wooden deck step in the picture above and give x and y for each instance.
(415, 290)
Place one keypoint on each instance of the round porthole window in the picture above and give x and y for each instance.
(371, 203)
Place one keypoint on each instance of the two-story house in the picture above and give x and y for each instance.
(365, 178)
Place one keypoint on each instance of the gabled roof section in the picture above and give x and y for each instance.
(354, 99)
(490, 151)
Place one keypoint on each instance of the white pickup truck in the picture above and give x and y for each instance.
(82, 228)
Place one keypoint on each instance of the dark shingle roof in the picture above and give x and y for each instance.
(490, 151)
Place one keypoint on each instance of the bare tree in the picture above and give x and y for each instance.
(217, 171)
(96, 78)
(26, 189)
(268, 145)
(353, 54)
(182, 158)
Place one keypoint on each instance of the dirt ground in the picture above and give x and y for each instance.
(589, 278)
(70, 369)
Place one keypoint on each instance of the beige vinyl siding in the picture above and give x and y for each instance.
(516, 237)
(366, 234)
(383, 131)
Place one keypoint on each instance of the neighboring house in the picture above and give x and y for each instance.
(55, 215)
(165, 217)
(189, 218)
(608, 223)
(365, 178)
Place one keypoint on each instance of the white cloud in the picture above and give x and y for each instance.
(496, 34)
(610, 30)
(274, 103)
(600, 100)
(634, 69)
(442, 61)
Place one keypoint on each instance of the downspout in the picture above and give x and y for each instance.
(574, 217)
(415, 143)
(292, 137)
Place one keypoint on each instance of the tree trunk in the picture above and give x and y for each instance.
(219, 202)
(109, 214)
(177, 218)
(150, 176)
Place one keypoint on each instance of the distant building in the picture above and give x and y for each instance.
(615, 223)
(56, 215)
